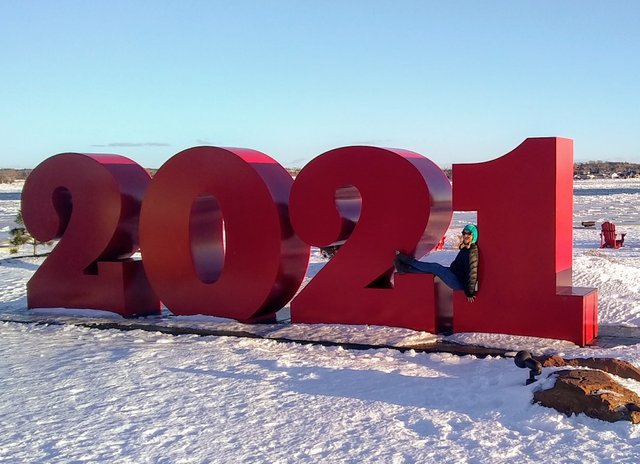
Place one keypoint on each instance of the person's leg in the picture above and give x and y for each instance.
(443, 272)
(413, 265)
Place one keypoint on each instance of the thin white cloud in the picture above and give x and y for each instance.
(133, 144)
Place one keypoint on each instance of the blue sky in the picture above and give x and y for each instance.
(460, 81)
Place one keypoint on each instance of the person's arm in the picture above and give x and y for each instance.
(473, 272)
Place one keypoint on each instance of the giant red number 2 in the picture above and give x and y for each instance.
(524, 202)
(216, 238)
(379, 200)
(92, 203)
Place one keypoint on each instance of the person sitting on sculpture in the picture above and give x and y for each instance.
(462, 274)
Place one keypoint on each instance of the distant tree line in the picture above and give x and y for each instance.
(585, 170)
(603, 169)
(597, 169)
(11, 175)
(8, 175)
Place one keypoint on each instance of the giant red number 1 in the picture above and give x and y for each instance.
(524, 201)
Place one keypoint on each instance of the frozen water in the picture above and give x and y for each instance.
(71, 394)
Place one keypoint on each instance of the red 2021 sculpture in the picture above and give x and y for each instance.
(216, 237)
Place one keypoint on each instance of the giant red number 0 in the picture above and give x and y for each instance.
(196, 197)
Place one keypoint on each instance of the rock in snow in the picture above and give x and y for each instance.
(592, 392)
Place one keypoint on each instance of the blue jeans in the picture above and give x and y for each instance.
(443, 272)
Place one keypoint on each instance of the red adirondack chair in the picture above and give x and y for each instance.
(440, 244)
(608, 236)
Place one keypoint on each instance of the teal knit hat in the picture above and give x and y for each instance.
(474, 232)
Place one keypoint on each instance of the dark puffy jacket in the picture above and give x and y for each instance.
(465, 267)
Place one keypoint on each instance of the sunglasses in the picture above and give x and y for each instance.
(466, 232)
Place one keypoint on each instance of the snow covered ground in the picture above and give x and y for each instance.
(72, 394)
